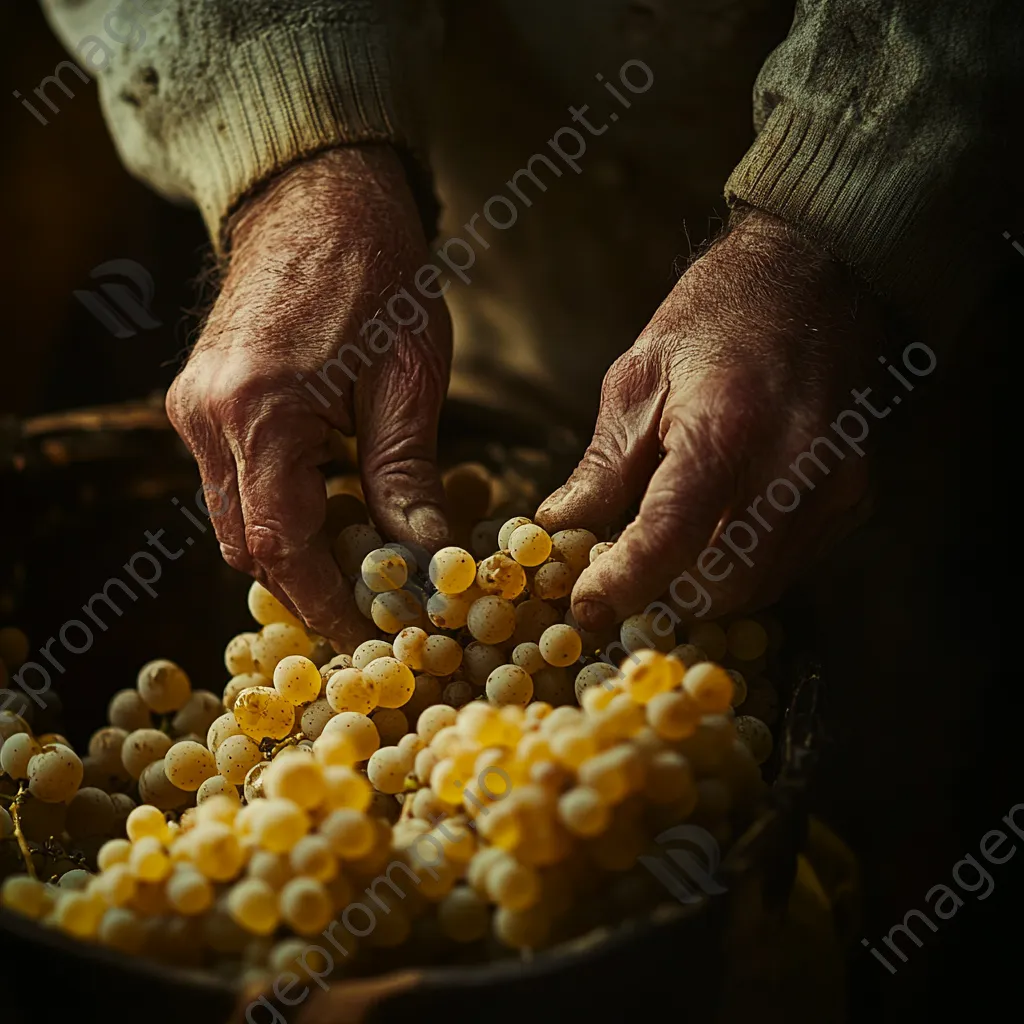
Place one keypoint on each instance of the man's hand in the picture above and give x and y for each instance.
(749, 359)
(314, 258)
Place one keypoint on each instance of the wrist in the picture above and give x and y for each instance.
(326, 202)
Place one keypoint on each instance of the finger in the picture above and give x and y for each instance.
(398, 405)
(622, 455)
(220, 482)
(764, 551)
(687, 496)
(723, 579)
(217, 471)
(220, 478)
(284, 504)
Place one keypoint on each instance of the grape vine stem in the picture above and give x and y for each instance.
(288, 741)
(26, 854)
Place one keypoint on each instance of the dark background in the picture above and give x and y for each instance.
(916, 617)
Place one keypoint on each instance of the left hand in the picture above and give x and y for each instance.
(750, 358)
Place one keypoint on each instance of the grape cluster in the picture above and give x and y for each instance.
(483, 745)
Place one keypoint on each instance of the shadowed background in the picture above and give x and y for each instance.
(915, 616)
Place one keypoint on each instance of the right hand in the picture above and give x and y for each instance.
(314, 257)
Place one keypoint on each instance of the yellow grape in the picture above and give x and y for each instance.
(313, 857)
(509, 684)
(353, 544)
(262, 712)
(238, 654)
(501, 575)
(350, 832)
(216, 786)
(148, 860)
(673, 715)
(299, 779)
(394, 610)
(54, 774)
(254, 906)
(266, 609)
(188, 765)
(573, 547)
(163, 686)
(529, 544)
(387, 769)
(356, 732)
(143, 747)
(392, 681)
(350, 690)
(408, 647)
(384, 569)
(552, 581)
(277, 641)
(449, 611)
(189, 892)
(480, 660)
(583, 812)
(369, 650)
(345, 788)
(463, 916)
(442, 655)
(710, 687)
(491, 620)
(315, 717)
(560, 645)
(452, 570)
(236, 757)
(297, 679)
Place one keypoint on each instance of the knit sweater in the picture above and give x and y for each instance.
(879, 123)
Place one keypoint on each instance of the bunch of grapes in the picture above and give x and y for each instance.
(483, 745)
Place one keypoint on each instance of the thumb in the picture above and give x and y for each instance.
(622, 456)
(398, 405)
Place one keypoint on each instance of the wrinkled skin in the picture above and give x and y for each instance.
(314, 257)
(750, 357)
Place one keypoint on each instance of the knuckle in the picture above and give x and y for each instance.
(706, 440)
(402, 478)
(631, 376)
(604, 452)
(238, 558)
(180, 406)
(267, 543)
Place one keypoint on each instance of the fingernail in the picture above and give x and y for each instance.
(593, 615)
(429, 525)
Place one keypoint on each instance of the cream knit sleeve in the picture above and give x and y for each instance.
(206, 99)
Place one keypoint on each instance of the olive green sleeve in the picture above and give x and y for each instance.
(882, 128)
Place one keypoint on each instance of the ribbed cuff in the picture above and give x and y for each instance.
(885, 214)
(293, 91)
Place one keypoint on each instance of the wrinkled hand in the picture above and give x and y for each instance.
(314, 257)
(750, 358)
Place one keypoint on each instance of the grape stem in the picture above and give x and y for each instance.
(26, 854)
(288, 741)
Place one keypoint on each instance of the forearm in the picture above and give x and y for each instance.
(206, 101)
(880, 127)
